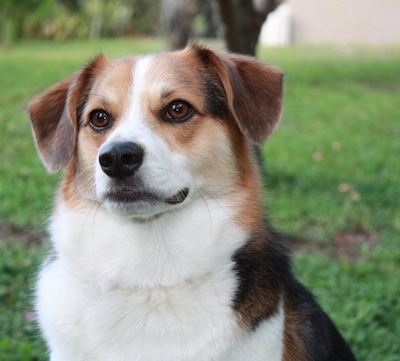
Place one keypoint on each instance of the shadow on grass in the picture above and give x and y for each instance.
(345, 245)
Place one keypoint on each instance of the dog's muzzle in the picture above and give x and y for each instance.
(121, 161)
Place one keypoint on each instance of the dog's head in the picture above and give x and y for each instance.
(144, 135)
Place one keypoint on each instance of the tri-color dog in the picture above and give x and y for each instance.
(161, 248)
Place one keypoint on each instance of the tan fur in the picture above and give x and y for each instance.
(253, 90)
(54, 115)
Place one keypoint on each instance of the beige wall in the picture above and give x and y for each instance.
(345, 21)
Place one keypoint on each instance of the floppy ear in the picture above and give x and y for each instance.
(253, 90)
(54, 115)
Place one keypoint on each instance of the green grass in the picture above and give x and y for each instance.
(332, 170)
(341, 126)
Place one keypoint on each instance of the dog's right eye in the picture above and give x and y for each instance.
(178, 111)
(99, 119)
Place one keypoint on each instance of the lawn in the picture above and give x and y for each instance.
(332, 183)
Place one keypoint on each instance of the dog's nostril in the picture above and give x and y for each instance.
(106, 160)
(121, 160)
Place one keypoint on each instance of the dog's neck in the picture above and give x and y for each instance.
(175, 247)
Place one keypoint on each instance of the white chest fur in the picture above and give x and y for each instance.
(158, 290)
(191, 321)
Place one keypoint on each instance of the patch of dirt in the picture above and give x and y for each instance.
(346, 245)
(11, 232)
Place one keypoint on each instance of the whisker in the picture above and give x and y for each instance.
(207, 193)
(202, 196)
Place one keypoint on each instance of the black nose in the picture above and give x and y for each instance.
(121, 160)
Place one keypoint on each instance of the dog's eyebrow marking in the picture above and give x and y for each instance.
(166, 93)
(102, 99)
(99, 100)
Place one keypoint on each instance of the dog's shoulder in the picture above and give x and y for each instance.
(264, 272)
(267, 287)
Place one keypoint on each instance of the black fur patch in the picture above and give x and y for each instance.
(265, 280)
(264, 272)
(216, 103)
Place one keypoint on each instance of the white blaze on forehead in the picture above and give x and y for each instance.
(140, 74)
(132, 126)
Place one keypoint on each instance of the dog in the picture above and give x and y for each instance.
(161, 249)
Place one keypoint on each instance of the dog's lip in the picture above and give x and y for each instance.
(134, 195)
(131, 195)
(178, 197)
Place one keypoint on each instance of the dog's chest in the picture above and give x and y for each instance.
(184, 322)
(113, 297)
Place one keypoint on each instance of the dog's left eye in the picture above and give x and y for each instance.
(99, 119)
(178, 111)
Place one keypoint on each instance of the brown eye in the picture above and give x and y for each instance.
(178, 111)
(99, 119)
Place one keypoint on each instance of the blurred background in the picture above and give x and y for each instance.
(331, 170)
(240, 23)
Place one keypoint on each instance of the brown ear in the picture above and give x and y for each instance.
(55, 113)
(253, 90)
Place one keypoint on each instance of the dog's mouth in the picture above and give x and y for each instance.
(131, 195)
(178, 197)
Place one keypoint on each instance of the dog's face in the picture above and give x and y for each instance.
(145, 135)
